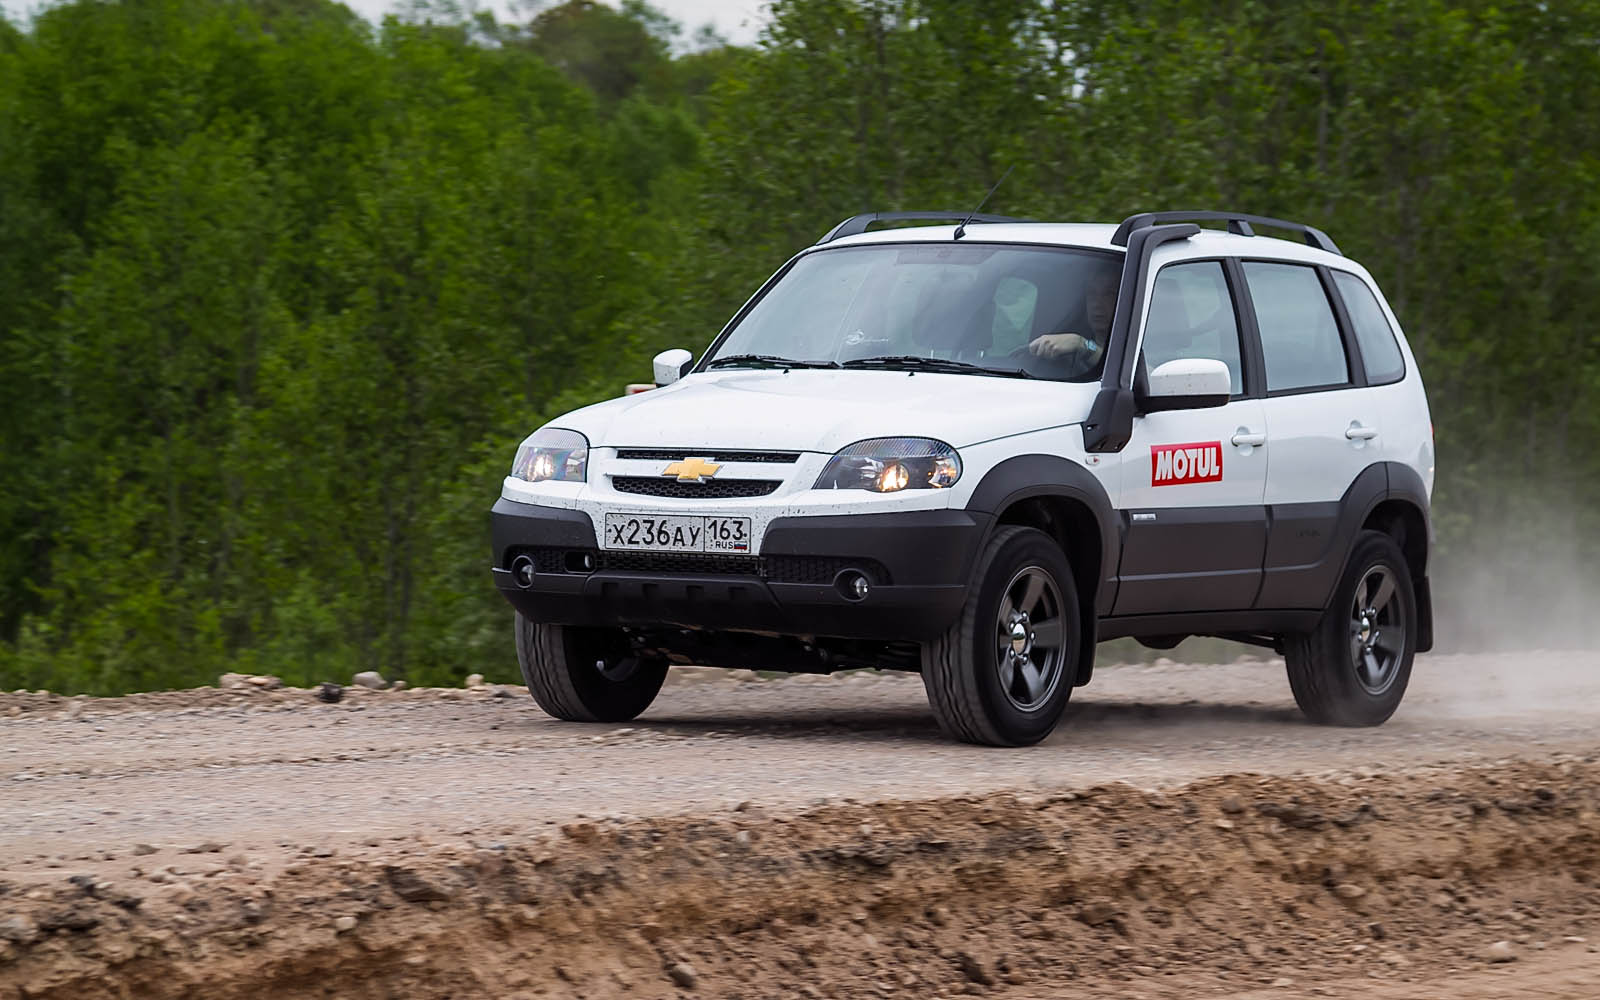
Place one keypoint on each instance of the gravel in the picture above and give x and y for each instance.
(254, 767)
(1500, 951)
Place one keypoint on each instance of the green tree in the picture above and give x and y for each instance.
(283, 290)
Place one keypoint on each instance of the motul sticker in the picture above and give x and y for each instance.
(1175, 464)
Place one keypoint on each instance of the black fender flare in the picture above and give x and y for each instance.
(1405, 484)
(1023, 476)
(1378, 483)
(1360, 499)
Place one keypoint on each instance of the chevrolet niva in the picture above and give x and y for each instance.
(974, 451)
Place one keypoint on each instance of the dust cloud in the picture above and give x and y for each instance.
(1500, 601)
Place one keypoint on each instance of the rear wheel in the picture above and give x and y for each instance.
(1352, 669)
(586, 674)
(1003, 672)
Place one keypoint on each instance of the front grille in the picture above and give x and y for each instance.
(711, 489)
(687, 563)
(679, 454)
(548, 560)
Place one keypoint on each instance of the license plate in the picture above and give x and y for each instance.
(677, 533)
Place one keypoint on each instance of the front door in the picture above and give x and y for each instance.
(1193, 480)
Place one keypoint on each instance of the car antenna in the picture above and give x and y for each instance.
(961, 229)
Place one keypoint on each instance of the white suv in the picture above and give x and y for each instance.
(976, 450)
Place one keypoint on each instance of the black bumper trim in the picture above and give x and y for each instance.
(524, 525)
(927, 554)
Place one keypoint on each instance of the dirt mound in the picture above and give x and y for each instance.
(1238, 881)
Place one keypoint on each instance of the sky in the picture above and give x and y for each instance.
(736, 20)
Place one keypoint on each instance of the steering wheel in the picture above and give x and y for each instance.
(1024, 352)
(1067, 365)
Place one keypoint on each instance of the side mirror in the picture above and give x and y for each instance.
(672, 365)
(1187, 384)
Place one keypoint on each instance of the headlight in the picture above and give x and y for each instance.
(552, 454)
(889, 465)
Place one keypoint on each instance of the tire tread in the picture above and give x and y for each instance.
(1316, 662)
(545, 657)
(951, 686)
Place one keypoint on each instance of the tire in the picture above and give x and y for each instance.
(1342, 675)
(586, 674)
(979, 690)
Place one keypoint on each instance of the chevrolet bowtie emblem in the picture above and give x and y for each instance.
(692, 470)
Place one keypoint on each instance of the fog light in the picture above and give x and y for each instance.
(522, 571)
(853, 585)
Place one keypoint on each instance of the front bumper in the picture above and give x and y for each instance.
(918, 562)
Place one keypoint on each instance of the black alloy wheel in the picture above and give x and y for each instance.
(1353, 667)
(1002, 673)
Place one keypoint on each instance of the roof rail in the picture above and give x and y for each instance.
(1238, 223)
(857, 224)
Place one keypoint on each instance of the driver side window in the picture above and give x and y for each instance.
(1191, 316)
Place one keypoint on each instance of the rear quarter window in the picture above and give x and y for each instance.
(1380, 354)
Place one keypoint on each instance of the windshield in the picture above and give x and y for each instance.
(1038, 312)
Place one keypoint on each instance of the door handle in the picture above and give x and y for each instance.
(1244, 437)
(1356, 432)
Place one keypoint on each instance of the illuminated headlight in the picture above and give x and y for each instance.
(889, 465)
(552, 454)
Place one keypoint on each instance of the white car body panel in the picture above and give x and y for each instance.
(1243, 472)
(822, 410)
(1311, 460)
(1408, 424)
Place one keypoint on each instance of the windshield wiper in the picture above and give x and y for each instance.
(933, 365)
(767, 361)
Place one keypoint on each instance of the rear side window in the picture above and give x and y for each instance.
(1380, 355)
(1191, 316)
(1299, 336)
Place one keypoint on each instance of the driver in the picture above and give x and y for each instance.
(1100, 303)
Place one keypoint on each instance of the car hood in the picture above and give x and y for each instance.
(820, 410)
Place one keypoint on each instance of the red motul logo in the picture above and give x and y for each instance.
(1198, 462)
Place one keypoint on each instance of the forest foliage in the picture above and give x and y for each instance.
(280, 290)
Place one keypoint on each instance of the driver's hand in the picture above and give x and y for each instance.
(1055, 345)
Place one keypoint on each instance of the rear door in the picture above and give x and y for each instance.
(1193, 480)
(1327, 427)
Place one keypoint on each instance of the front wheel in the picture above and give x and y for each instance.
(586, 674)
(1003, 672)
(1352, 669)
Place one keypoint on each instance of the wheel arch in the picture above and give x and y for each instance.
(1063, 500)
(1390, 497)
(1402, 514)
(1401, 520)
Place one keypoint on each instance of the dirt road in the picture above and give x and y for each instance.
(1184, 831)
